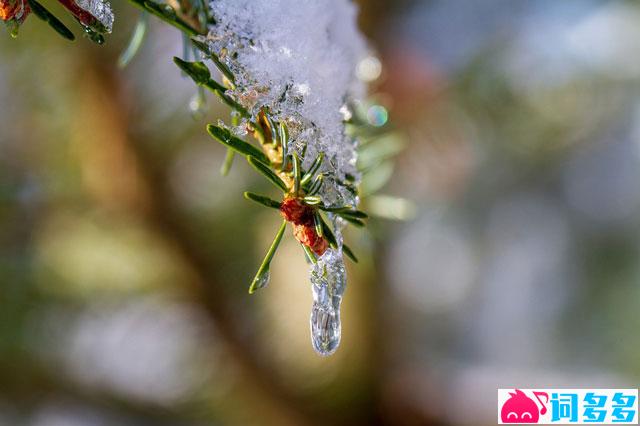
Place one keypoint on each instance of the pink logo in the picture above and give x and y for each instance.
(519, 408)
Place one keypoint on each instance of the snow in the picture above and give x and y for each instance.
(299, 59)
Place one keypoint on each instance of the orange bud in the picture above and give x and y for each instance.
(308, 236)
(295, 211)
(14, 9)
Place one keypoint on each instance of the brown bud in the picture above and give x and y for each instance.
(295, 211)
(14, 9)
(308, 236)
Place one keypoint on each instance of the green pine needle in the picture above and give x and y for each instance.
(345, 212)
(198, 72)
(356, 222)
(42, 13)
(261, 199)
(349, 253)
(284, 140)
(331, 239)
(296, 173)
(167, 14)
(228, 162)
(317, 220)
(312, 200)
(266, 172)
(224, 70)
(311, 257)
(261, 278)
(313, 169)
(328, 234)
(225, 137)
(316, 185)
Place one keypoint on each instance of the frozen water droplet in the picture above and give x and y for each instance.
(239, 130)
(169, 11)
(325, 328)
(94, 36)
(260, 281)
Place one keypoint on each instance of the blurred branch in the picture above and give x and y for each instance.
(21, 376)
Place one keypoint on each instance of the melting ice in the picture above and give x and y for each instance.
(328, 282)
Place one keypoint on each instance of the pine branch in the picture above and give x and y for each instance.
(268, 154)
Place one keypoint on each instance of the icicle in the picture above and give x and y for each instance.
(328, 282)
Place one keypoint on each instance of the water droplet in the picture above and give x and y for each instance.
(169, 11)
(93, 35)
(260, 281)
(13, 28)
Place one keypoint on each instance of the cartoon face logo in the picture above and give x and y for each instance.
(519, 408)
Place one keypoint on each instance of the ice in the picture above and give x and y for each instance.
(99, 9)
(328, 282)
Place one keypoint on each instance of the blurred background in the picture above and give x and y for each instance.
(125, 257)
